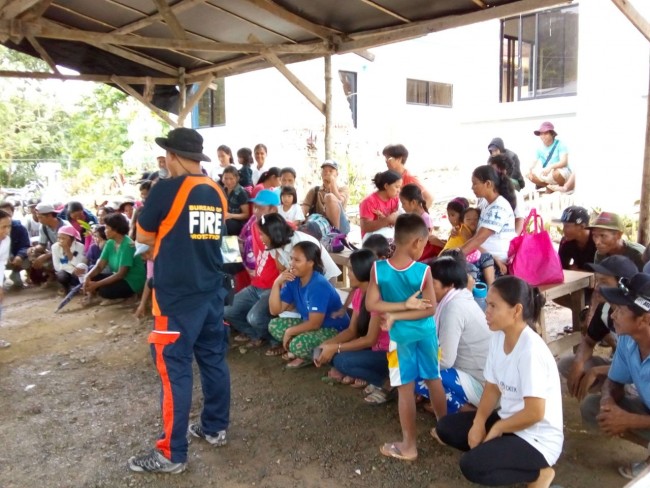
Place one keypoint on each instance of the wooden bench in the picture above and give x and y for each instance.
(342, 260)
(575, 282)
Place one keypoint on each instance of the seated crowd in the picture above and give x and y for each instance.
(410, 328)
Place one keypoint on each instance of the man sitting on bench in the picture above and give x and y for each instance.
(614, 411)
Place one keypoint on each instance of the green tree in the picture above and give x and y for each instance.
(97, 135)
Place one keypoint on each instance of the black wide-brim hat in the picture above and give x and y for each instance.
(184, 142)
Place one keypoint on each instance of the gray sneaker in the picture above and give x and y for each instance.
(216, 440)
(155, 462)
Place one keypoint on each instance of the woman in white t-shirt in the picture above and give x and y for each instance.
(279, 238)
(522, 440)
(496, 226)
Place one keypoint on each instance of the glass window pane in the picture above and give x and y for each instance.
(527, 51)
(557, 62)
(440, 94)
(417, 91)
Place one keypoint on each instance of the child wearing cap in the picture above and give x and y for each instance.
(67, 255)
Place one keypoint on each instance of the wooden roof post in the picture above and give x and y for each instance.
(329, 152)
(644, 205)
(182, 100)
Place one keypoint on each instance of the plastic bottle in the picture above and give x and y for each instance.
(480, 293)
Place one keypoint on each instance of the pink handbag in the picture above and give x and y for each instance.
(531, 255)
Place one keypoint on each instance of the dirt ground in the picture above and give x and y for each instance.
(79, 395)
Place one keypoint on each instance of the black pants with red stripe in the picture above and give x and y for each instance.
(198, 333)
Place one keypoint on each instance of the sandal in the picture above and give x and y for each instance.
(241, 338)
(632, 470)
(298, 363)
(4, 344)
(275, 351)
(288, 356)
(391, 450)
(252, 344)
(359, 384)
(369, 389)
(347, 380)
(377, 397)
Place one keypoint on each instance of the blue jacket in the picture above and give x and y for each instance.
(19, 239)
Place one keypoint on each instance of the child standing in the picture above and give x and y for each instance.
(245, 159)
(289, 207)
(413, 351)
(412, 200)
(5, 246)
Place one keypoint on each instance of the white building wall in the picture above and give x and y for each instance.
(604, 125)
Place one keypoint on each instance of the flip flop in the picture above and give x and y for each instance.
(434, 434)
(303, 364)
(391, 450)
(275, 351)
(288, 356)
(631, 471)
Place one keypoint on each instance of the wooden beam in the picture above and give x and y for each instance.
(643, 236)
(389, 35)
(36, 11)
(383, 9)
(137, 58)
(282, 13)
(295, 81)
(170, 19)
(365, 54)
(194, 99)
(634, 16)
(177, 8)
(52, 31)
(480, 3)
(131, 80)
(43, 53)
(14, 8)
(329, 122)
(246, 65)
(128, 89)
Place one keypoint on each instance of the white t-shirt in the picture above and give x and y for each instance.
(529, 371)
(293, 214)
(5, 248)
(283, 255)
(61, 262)
(498, 217)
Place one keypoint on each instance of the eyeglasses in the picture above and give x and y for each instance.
(640, 301)
(623, 284)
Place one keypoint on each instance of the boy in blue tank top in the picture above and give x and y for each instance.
(395, 286)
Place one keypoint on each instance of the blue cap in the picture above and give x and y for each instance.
(266, 198)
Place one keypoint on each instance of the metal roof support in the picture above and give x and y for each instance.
(329, 151)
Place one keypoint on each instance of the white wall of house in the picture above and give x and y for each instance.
(604, 125)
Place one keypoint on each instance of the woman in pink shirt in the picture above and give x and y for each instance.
(379, 209)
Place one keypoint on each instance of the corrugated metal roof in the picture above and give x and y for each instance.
(133, 38)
